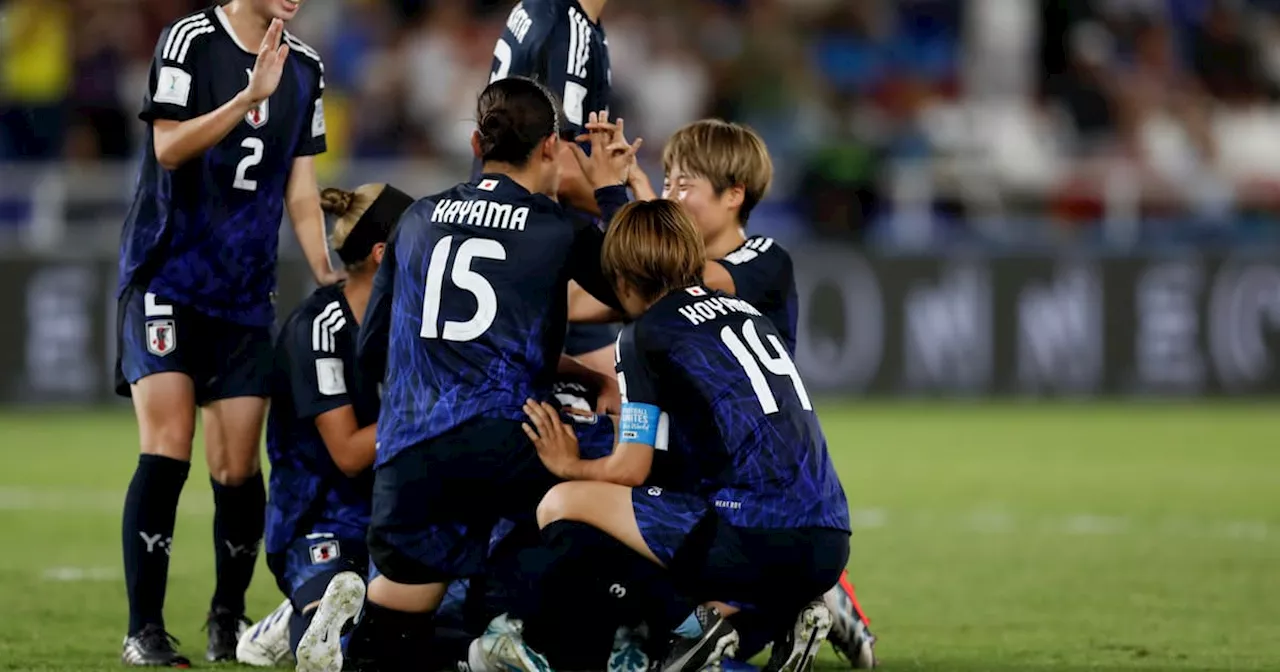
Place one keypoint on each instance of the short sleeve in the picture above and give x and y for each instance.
(312, 139)
(759, 268)
(636, 380)
(566, 70)
(317, 372)
(173, 82)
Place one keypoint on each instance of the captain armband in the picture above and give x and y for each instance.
(643, 423)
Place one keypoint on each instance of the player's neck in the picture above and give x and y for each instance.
(725, 242)
(249, 26)
(521, 176)
(357, 290)
(592, 8)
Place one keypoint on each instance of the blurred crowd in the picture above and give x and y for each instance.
(890, 120)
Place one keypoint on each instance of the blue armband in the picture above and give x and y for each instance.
(643, 423)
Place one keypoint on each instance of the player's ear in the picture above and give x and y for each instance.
(475, 144)
(551, 148)
(734, 196)
(379, 249)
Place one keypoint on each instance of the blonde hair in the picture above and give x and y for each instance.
(652, 248)
(348, 207)
(727, 155)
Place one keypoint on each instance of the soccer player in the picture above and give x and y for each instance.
(474, 296)
(720, 171)
(320, 439)
(769, 524)
(562, 44)
(234, 117)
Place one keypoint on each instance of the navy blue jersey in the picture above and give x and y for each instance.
(473, 296)
(553, 42)
(737, 408)
(763, 277)
(315, 372)
(205, 235)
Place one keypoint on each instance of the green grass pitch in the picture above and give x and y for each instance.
(989, 537)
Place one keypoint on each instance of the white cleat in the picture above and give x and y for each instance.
(266, 643)
(850, 636)
(320, 649)
(628, 651)
(502, 649)
(800, 648)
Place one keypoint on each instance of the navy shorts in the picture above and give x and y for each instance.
(313, 556)
(773, 570)
(435, 504)
(223, 359)
(581, 339)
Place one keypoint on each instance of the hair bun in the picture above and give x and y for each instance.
(336, 202)
(497, 128)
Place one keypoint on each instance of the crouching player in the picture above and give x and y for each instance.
(768, 528)
(320, 440)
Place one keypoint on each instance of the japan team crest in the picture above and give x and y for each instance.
(325, 551)
(257, 117)
(161, 337)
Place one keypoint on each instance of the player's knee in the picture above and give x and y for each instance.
(170, 438)
(233, 468)
(556, 505)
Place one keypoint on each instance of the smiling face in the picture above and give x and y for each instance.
(278, 9)
(712, 213)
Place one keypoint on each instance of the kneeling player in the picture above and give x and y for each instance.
(320, 440)
(769, 528)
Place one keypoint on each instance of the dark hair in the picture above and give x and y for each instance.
(513, 115)
(652, 248)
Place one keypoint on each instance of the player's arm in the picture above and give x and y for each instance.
(642, 427)
(586, 309)
(179, 137)
(318, 378)
(585, 268)
(375, 328)
(302, 199)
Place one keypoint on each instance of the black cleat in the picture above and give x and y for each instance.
(718, 641)
(224, 629)
(152, 647)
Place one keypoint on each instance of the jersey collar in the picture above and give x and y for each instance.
(226, 27)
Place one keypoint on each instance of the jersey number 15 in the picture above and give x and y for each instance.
(751, 358)
(465, 279)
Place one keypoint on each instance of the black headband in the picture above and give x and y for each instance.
(375, 225)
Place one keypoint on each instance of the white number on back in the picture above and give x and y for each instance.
(255, 147)
(501, 54)
(465, 279)
(778, 363)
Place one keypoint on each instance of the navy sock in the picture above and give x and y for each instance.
(150, 508)
(238, 519)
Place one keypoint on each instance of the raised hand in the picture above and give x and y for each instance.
(269, 65)
(612, 157)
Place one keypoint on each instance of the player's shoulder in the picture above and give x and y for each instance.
(313, 324)
(305, 54)
(185, 38)
(757, 248)
(545, 10)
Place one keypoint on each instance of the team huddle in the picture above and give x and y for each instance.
(450, 487)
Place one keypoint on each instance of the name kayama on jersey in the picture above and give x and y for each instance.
(482, 213)
(717, 306)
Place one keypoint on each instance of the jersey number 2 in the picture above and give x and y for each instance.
(778, 363)
(465, 279)
(255, 147)
(501, 54)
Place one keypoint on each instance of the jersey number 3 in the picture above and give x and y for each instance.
(751, 358)
(465, 279)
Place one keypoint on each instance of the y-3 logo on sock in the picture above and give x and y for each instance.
(250, 550)
(618, 590)
(154, 540)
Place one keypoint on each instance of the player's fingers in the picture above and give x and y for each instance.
(635, 146)
(533, 436)
(282, 53)
(550, 412)
(582, 138)
(581, 156)
(568, 432)
(620, 126)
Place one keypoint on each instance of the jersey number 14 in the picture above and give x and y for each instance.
(465, 279)
(753, 354)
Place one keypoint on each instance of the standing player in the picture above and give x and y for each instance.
(320, 438)
(562, 44)
(230, 139)
(475, 292)
(769, 524)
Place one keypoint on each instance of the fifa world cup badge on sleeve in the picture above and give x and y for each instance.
(162, 338)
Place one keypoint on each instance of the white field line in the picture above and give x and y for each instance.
(991, 520)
